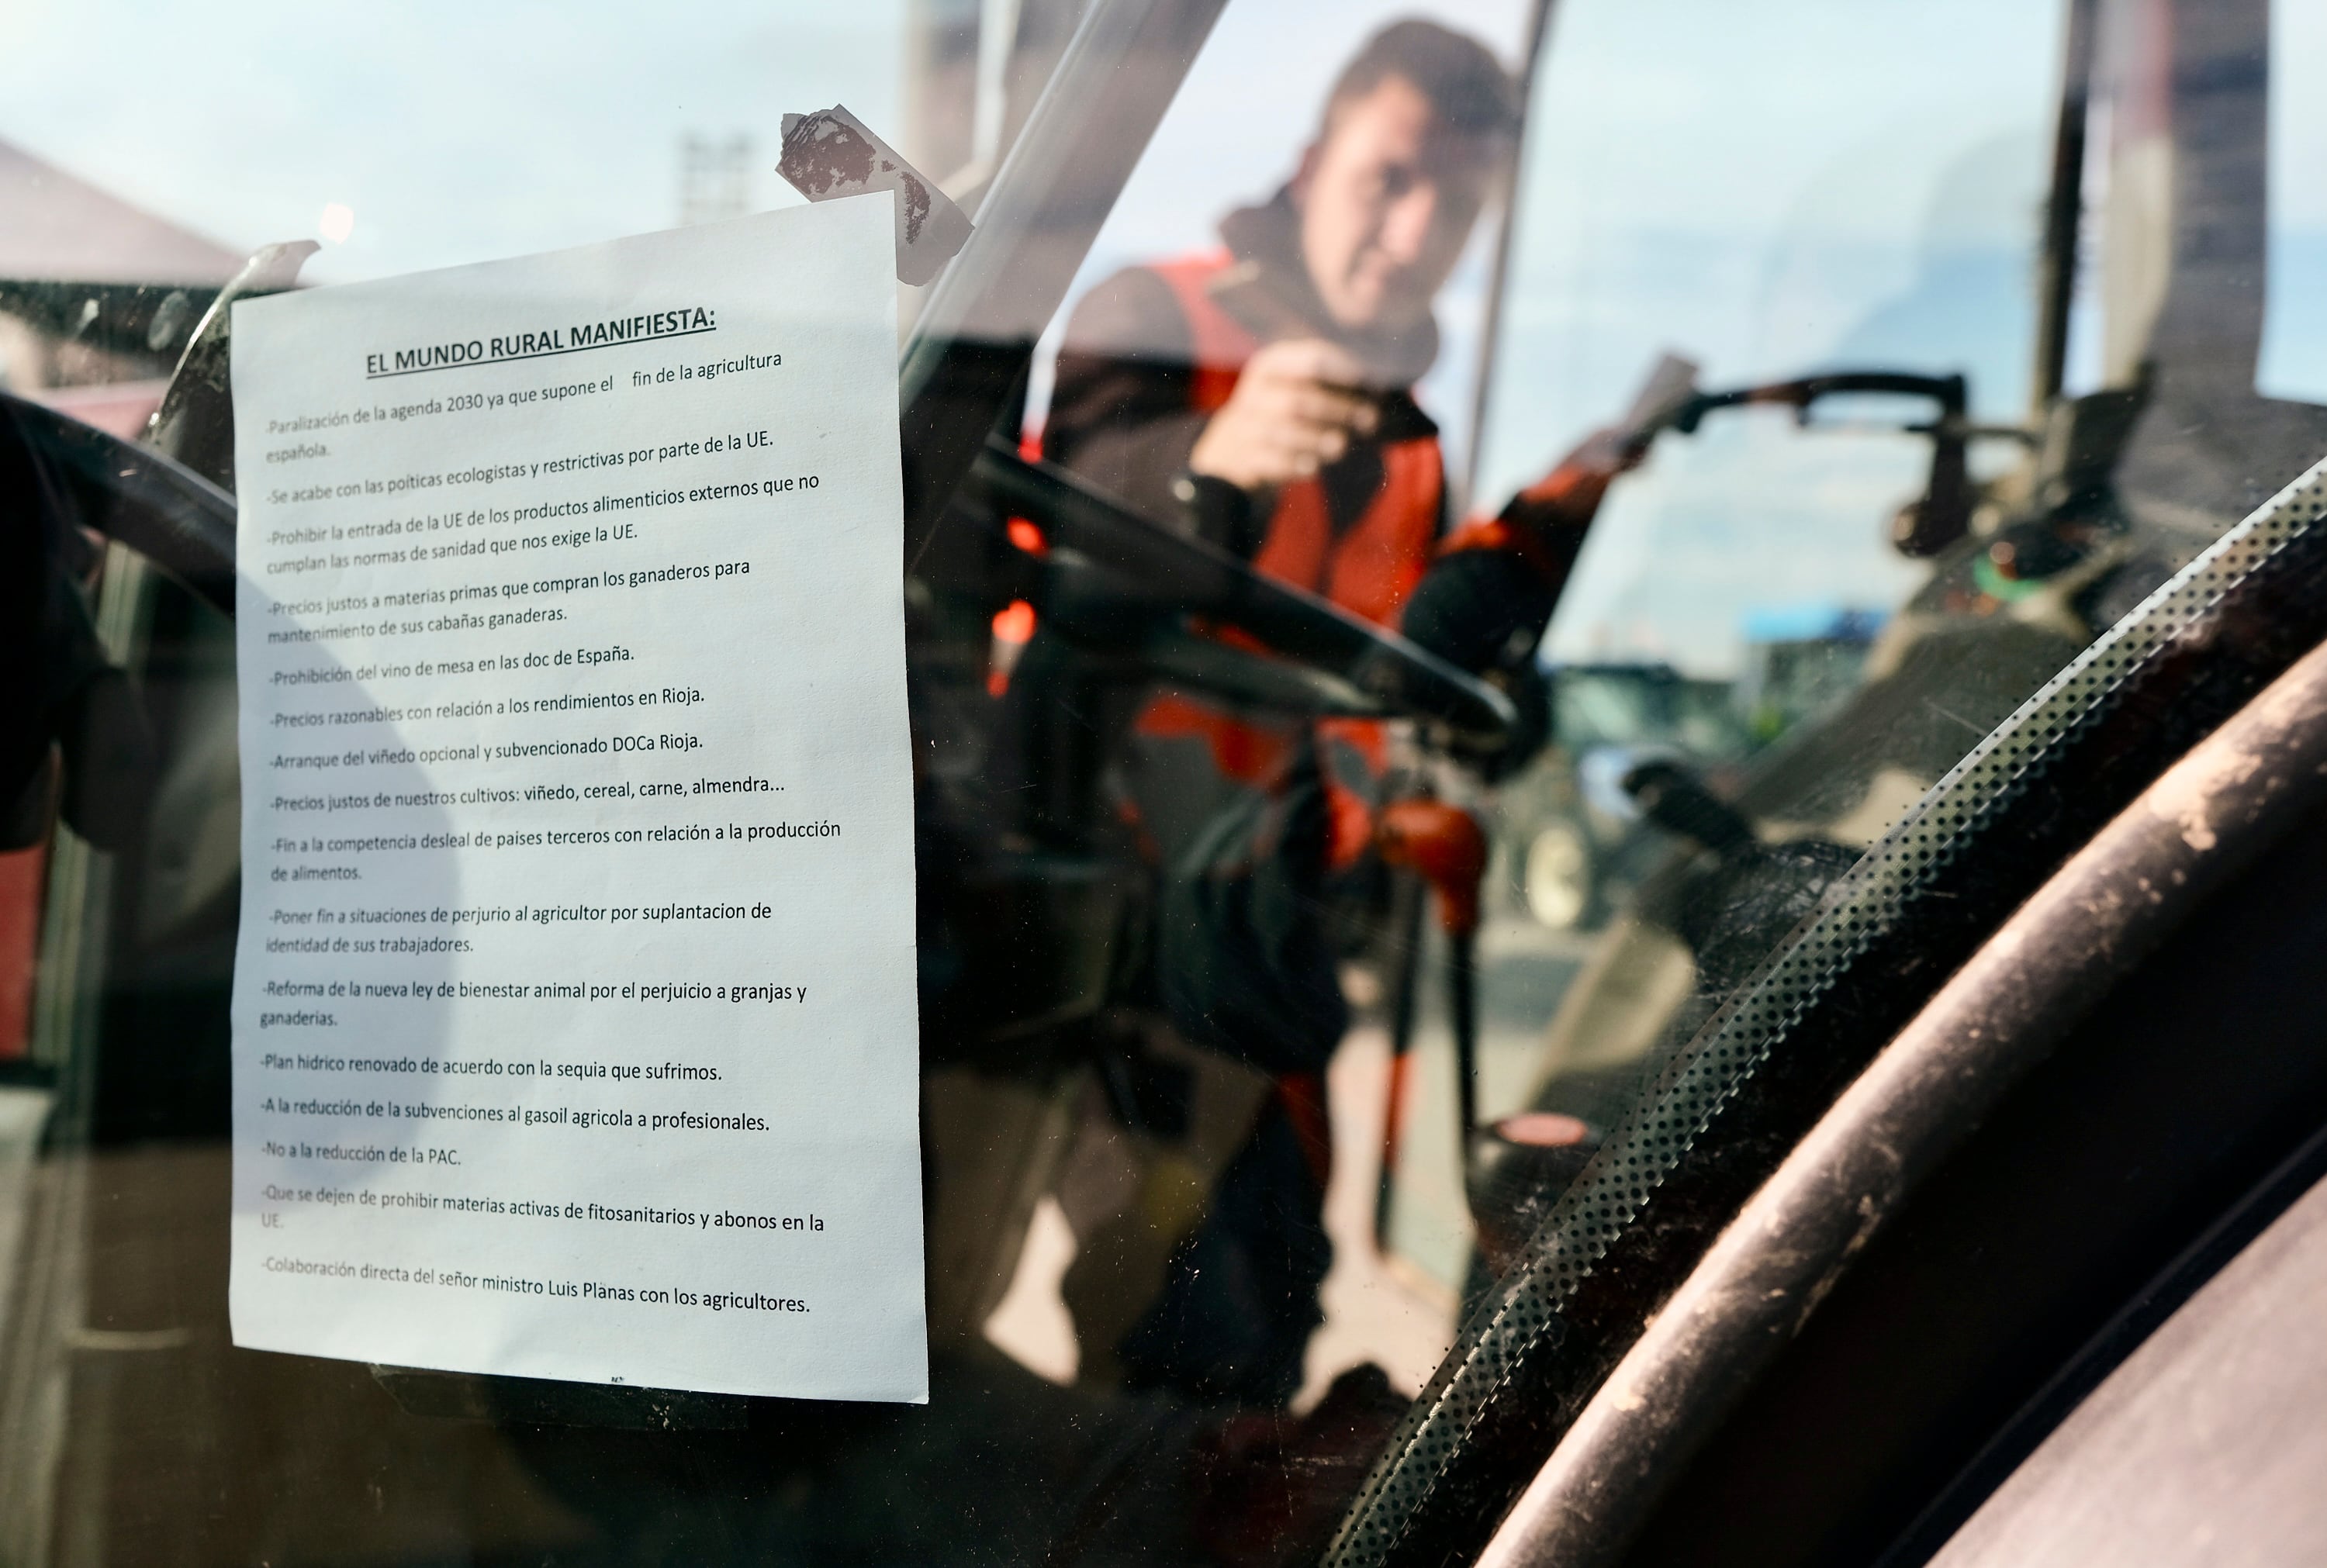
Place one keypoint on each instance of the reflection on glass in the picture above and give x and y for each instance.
(1177, 1304)
(1754, 678)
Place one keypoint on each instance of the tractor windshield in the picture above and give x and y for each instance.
(1433, 545)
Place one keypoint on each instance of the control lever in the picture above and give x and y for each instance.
(1753, 893)
(1925, 525)
(1677, 801)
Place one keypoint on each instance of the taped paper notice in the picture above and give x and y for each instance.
(575, 1027)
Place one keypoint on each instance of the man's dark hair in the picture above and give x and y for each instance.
(1464, 83)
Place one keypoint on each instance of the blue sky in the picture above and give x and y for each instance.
(2292, 362)
(1764, 185)
(457, 130)
(1767, 189)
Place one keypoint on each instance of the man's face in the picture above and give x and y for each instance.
(1386, 199)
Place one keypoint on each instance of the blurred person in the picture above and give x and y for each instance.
(1260, 395)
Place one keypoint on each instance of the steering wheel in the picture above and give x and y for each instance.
(156, 506)
(1333, 662)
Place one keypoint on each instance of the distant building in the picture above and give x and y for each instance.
(97, 296)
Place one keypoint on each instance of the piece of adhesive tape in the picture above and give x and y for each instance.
(829, 153)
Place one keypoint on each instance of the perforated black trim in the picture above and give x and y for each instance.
(1888, 883)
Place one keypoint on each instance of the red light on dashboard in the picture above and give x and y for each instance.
(1015, 623)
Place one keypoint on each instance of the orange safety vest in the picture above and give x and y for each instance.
(1369, 570)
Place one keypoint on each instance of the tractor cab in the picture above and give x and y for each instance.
(1766, 934)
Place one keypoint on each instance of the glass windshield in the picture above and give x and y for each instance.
(531, 137)
(1431, 537)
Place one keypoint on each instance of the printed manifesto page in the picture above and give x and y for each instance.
(573, 1018)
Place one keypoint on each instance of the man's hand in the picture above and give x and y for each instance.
(1294, 409)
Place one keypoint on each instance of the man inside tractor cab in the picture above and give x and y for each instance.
(1260, 395)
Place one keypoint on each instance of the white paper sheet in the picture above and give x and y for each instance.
(574, 1022)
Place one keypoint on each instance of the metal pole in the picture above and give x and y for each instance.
(1461, 997)
(1538, 30)
(2064, 210)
